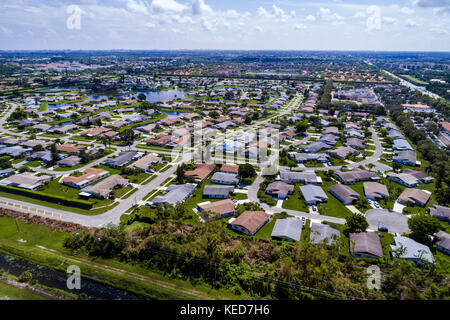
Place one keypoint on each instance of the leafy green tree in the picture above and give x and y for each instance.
(301, 128)
(127, 136)
(443, 196)
(356, 222)
(423, 225)
(214, 114)
(180, 175)
(246, 170)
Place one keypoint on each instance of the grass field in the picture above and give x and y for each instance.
(10, 292)
(415, 80)
(139, 280)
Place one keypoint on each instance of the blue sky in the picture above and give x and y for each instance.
(410, 25)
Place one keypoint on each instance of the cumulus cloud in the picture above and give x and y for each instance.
(164, 6)
(326, 14)
(406, 10)
(359, 14)
(411, 23)
(199, 7)
(299, 26)
(310, 18)
(276, 13)
(389, 20)
(137, 6)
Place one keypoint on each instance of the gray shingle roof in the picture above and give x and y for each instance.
(313, 193)
(320, 231)
(412, 249)
(289, 228)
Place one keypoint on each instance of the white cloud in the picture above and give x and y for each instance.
(389, 20)
(199, 7)
(163, 6)
(326, 14)
(406, 10)
(276, 13)
(310, 18)
(359, 14)
(411, 23)
(259, 28)
(299, 26)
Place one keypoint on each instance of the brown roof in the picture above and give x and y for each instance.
(229, 168)
(104, 187)
(89, 174)
(375, 189)
(251, 220)
(202, 171)
(366, 242)
(414, 195)
(69, 148)
(146, 161)
(220, 207)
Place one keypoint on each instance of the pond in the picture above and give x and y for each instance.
(58, 279)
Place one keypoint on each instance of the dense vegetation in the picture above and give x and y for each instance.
(210, 253)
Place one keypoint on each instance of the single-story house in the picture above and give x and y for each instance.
(440, 212)
(90, 176)
(355, 175)
(321, 233)
(104, 188)
(344, 193)
(176, 193)
(211, 191)
(415, 196)
(365, 245)
(289, 229)
(69, 161)
(407, 157)
(313, 194)
(122, 159)
(442, 241)
(375, 190)
(306, 177)
(25, 180)
(201, 171)
(222, 209)
(224, 178)
(406, 248)
(146, 162)
(249, 222)
(279, 189)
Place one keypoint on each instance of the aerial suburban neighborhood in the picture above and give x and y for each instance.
(237, 175)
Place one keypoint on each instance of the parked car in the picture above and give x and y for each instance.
(383, 229)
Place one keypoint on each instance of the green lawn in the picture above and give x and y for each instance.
(415, 80)
(333, 207)
(295, 201)
(10, 292)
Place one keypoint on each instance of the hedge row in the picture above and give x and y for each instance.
(83, 204)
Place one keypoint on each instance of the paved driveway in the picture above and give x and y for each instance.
(394, 221)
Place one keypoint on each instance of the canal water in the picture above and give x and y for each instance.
(57, 279)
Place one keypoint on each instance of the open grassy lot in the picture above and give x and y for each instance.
(295, 201)
(333, 207)
(10, 292)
